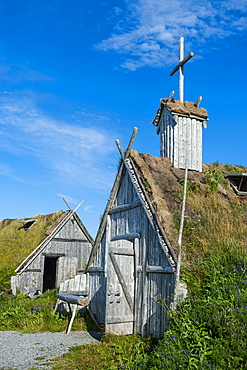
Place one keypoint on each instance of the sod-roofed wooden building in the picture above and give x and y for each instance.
(132, 265)
(51, 248)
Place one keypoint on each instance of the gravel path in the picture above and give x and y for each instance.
(33, 351)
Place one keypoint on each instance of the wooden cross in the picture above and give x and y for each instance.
(180, 67)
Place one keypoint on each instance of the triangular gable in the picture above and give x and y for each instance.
(67, 216)
(129, 165)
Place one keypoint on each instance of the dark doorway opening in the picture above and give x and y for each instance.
(50, 273)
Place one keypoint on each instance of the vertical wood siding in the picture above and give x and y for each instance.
(72, 256)
(181, 140)
(147, 288)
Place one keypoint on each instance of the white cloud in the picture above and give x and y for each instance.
(73, 151)
(150, 33)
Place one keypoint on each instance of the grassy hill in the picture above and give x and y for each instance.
(16, 242)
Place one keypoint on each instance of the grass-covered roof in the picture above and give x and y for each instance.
(18, 241)
(215, 216)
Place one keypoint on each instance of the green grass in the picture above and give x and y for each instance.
(37, 315)
(208, 331)
(114, 352)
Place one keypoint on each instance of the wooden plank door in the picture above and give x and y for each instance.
(120, 294)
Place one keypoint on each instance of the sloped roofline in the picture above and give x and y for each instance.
(68, 215)
(129, 166)
(184, 109)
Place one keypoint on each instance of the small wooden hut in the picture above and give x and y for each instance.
(63, 251)
(132, 265)
(179, 125)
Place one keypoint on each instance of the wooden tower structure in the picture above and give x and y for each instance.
(179, 124)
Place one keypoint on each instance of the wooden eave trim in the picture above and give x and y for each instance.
(191, 116)
(83, 228)
(168, 112)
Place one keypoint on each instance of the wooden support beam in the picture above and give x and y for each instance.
(53, 255)
(122, 282)
(31, 270)
(68, 240)
(119, 319)
(131, 236)
(125, 207)
(122, 251)
(160, 269)
(96, 269)
(72, 317)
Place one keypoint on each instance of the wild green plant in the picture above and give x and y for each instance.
(212, 178)
(192, 186)
(208, 330)
(232, 168)
(113, 352)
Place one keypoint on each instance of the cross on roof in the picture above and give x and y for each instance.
(180, 67)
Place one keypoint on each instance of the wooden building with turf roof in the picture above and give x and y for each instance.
(132, 265)
(48, 248)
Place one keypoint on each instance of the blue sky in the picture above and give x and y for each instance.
(75, 75)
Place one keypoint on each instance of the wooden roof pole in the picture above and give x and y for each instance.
(111, 200)
(67, 204)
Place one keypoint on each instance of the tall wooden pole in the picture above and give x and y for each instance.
(181, 69)
(180, 234)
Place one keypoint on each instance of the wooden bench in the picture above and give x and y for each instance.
(75, 300)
